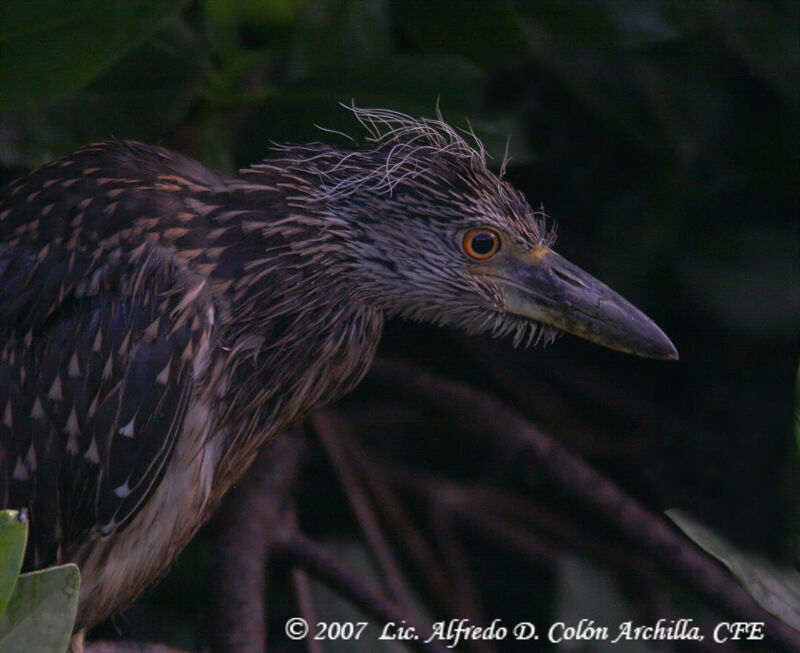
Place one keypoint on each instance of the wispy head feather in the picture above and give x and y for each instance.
(406, 144)
(396, 203)
(387, 127)
(399, 150)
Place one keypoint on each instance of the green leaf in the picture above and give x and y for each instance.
(764, 38)
(51, 48)
(603, 25)
(253, 11)
(13, 536)
(482, 32)
(408, 83)
(41, 613)
(774, 588)
(143, 96)
(351, 30)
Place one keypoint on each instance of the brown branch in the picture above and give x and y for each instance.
(129, 647)
(302, 591)
(464, 590)
(338, 439)
(305, 603)
(640, 584)
(520, 439)
(247, 525)
(326, 568)
(405, 530)
(331, 428)
(499, 517)
(476, 503)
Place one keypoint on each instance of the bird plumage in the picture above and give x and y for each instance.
(160, 322)
(132, 305)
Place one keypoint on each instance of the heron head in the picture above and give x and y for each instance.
(435, 236)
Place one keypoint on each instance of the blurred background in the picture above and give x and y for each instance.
(661, 137)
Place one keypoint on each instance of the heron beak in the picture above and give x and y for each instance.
(545, 287)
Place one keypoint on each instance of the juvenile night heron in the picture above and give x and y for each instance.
(160, 322)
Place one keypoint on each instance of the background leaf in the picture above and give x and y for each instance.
(41, 612)
(774, 588)
(51, 49)
(142, 96)
(13, 537)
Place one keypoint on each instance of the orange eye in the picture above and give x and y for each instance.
(481, 243)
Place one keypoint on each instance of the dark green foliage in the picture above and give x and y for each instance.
(37, 610)
(52, 49)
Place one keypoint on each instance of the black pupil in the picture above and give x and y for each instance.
(483, 243)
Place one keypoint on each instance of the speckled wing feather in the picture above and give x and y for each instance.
(100, 323)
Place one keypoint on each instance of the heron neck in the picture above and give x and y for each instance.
(296, 334)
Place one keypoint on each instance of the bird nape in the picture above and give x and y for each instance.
(160, 321)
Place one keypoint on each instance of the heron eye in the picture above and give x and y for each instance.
(481, 243)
